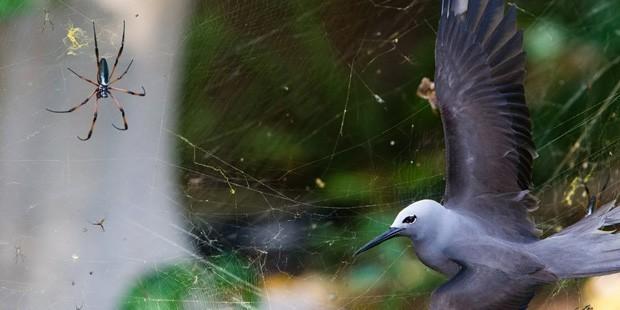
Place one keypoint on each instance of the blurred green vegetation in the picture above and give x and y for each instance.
(308, 110)
(12, 7)
(219, 282)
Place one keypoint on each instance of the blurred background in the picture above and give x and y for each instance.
(276, 137)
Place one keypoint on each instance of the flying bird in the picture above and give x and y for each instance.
(481, 237)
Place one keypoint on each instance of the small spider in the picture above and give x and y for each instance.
(100, 224)
(103, 85)
(46, 20)
(19, 254)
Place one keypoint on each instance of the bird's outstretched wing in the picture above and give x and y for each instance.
(503, 277)
(480, 287)
(480, 67)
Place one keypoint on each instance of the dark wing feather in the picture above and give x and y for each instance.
(480, 67)
(503, 277)
(483, 288)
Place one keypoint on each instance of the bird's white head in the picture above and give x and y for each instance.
(416, 221)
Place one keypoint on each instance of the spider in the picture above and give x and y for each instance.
(103, 86)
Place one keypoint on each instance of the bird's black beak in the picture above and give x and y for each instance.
(391, 233)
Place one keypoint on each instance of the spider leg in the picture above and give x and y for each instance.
(83, 78)
(120, 51)
(122, 75)
(129, 91)
(92, 126)
(96, 47)
(75, 107)
(120, 108)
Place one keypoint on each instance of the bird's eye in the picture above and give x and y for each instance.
(410, 219)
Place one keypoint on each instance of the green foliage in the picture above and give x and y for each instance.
(545, 41)
(223, 280)
(12, 7)
(572, 89)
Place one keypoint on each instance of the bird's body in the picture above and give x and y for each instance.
(488, 271)
(481, 237)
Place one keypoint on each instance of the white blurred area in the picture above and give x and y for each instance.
(53, 187)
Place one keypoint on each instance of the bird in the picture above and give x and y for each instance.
(481, 236)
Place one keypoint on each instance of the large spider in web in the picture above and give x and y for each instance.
(103, 86)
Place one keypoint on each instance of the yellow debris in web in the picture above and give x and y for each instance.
(576, 183)
(568, 197)
(75, 39)
(319, 183)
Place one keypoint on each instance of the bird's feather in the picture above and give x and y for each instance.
(494, 274)
(480, 67)
(584, 249)
(478, 287)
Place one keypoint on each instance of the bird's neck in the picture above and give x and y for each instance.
(432, 256)
(430, 245)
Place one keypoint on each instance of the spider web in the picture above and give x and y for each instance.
(275, 139)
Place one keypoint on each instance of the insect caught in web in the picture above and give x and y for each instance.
(100, 224)
(103, 86)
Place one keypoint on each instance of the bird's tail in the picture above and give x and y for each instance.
(587, 248)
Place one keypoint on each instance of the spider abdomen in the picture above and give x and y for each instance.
(104, 75)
